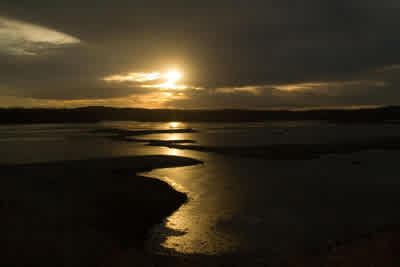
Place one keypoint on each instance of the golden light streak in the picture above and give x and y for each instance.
(229, 90)
(143, 78)
(134, 77)
(319, 85)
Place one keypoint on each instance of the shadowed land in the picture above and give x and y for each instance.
(80, 213)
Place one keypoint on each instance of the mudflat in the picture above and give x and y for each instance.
(81, 213)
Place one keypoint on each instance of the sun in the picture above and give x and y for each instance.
(174, 124)
(173, 76)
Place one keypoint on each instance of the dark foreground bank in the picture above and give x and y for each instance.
(81, 213)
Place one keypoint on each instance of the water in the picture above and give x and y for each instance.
(243, 205)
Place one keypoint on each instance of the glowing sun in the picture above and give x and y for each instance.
(174, 124)
(173, 76)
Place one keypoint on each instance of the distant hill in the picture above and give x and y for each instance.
(96, 114)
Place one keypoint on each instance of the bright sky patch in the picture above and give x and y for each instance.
(25, 39)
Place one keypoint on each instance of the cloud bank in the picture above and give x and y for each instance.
(258, 54)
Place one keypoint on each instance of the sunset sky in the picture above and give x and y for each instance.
(204, 54)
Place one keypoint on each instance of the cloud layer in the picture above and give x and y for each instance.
(261, 54)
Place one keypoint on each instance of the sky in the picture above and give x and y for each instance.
(254, 54)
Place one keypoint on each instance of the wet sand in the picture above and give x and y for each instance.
(375, 249)
(82, 213)
(290, 151)
(270, 152)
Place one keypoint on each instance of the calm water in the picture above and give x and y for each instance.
(243, 205)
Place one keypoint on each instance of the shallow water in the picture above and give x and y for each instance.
(242, 205)
(247, 206)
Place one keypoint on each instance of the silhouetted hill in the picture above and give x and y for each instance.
(96, 114)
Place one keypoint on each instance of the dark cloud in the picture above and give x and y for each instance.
(217, 44)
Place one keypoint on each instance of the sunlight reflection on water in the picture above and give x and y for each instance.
(175, 152)
(197, 220)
